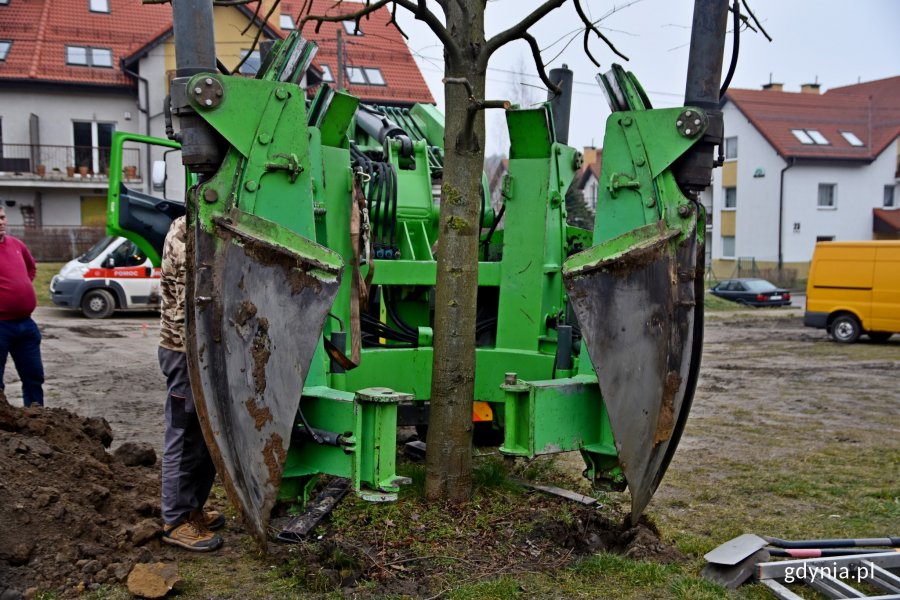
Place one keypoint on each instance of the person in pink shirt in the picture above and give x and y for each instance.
(19, 334)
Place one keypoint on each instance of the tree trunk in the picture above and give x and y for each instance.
(449, 458)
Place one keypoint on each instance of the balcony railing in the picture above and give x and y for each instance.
(64, 163)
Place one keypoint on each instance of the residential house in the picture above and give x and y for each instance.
(587, 179)
(74, 71)
(802, 167)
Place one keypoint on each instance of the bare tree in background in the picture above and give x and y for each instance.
(459, 25)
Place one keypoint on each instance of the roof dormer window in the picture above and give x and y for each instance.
(365, 76)
(101, 6)
(852, 139)
(351, 28)
(286, 23)
(5, 45)
(818, 137)
(810, 137)
(327, 77)
(89, 57)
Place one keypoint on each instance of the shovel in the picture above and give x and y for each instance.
(734, 551)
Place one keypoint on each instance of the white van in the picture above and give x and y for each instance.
(114, 274)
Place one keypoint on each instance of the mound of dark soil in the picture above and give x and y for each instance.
(72, 515)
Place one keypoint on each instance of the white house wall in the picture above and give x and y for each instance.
(860, 188)
(756, 221)
(57, 109)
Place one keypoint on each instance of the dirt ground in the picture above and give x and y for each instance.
(768, 388)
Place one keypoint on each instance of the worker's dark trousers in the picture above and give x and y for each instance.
(21, 339)
(187, 469)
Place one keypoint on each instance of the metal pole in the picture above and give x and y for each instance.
(561, 103)
(195, 52)
(339, 76)
(694, 171)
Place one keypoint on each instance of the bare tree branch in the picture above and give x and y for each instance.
(536, 54)
(755, 20)
(589, 26)
(255, 16)
(418, 9)
(476, 104)
(518, 30)
(259, 31)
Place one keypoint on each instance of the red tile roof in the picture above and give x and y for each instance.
(40, 30)
(380, 46)
(871, 111)
(886, 221)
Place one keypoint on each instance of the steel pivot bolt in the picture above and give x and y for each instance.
(510, 378)
(684, 210)
(210, 195)
(627, 121)
(281, 93)
(640, 162)
(264, 138)
(251, 186)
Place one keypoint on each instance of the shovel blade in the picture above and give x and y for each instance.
(641, 320)
(257, 311)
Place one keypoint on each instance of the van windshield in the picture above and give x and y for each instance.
(95, 250)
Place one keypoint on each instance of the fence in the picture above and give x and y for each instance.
(57, 244)
(47, 161)
(747, 267)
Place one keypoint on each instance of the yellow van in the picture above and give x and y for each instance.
(854, 288)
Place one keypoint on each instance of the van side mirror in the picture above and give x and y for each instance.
(158, 176)
(109, 262)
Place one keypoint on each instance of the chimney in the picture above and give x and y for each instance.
(590, 155)
(773, 87)
(810, 88)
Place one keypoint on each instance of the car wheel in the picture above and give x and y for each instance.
(97, 304)
(845, 329)
(879, 336)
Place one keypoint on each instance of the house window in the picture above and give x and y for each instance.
(730, 148)
(2, 2)
(727, 246)
(889, 196)
(351, 28)
(827, 195)
(824, 238)
(731, 197)
(251, 65)
(374, 76)
(89, 57)
(852, 139)
(99, 5)
(810, 136)
(286, 22)
(326, 74)
(365, 76)
(5, 45)
(92, 141)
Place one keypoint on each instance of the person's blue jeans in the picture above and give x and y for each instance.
(21, 338)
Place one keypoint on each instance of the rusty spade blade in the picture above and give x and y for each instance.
(260, 295)
(641, 317)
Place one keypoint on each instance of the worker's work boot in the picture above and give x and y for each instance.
(212, 519)
(192, 535)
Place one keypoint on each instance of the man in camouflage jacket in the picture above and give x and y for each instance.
(187, 469)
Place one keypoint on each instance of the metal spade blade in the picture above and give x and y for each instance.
(259, 296)
(642, 328)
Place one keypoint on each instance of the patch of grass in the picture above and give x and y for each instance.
(45, 272)
(714, 303)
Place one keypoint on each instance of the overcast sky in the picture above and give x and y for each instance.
(835, 42)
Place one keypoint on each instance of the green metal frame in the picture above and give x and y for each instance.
(291, 183)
